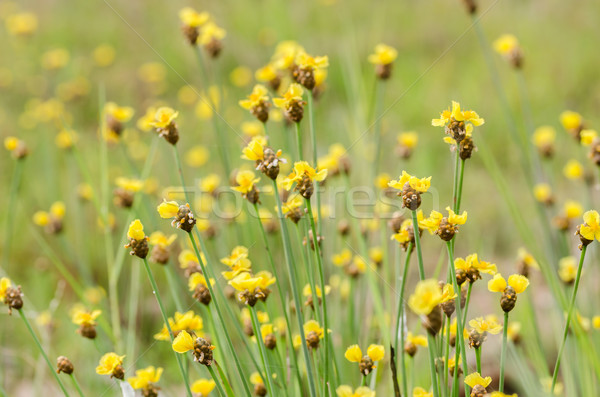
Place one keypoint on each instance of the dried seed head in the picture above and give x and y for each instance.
(202, 294)
(270, 165)
(305, 187)
(185, 219)
(410, 348)
(461, 276)
(383, 71)
(270, 341)
(471, 6)
(466, 148)
(170, 133)
(411, 198)
(396, 222)
(343, 227)
(191, 33)
(118, 372)
(260, 390)
(476, 339)
(447, 230)
(159, 255)
(305, 76)
(478, 391)
(448, 307)
(203, 351)
(214, 47)
(295, 111)
(139, 248)
(312, 340)
(65, 365)
(456, 129)
(13, 298)
(433, 321)
(87, 331)
(366, 365)
(261, 111)
(123, 198)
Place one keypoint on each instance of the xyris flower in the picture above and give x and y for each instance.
(111, 364)
(366, 363)
(66, 139)
(138, 242)
(252, 288)
(412, 341)
(571, 210)
(455, 121)
(346, 391)
(198, 285)
(238, 262)
(245, 184)
(314, 333)
(125, 191)
(16, 147)
(383, 59)
(183, 217)
(336, 161)
(477, 383)
(573, 170)
(259, 384)
(590, 229)
(160, 247)
(307, 293)
(292, 103)
(164, 123)
(116, 116)
(573, 123)
(267, 332)
(426, 297)
(52, 221)
(200, 347)
(191, 21)
(146, 379)
(211, 37)
(411, 188)
(257, 103)
(420, 392)
(22, 24)
(86, 320)
(471, 268)
(543, 139)
(448, 299)
(516, 285)
(480, 328)
(507, 45)
(444, 226)
(10, 295)
(188, 321)
(266, 159)
(306, 66)
(269, 74)
(304, 177)
(407, 142)
(203, 387)
(64, 365)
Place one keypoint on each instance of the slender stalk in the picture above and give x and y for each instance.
(418, 244)
(76, 384)
(10, 211)
(313, 137)
(166, 320)
(400, 321)
(217, 381)
(134, 297)
(431, 348)
(262, 350)
(569, 315)
(220, 316)
(379, 94)
(467, 300)
(298, 304)
(478, 360)
(299, 142)
(447, 354)
(39, 345)
(280, 293)
(173, 286)
(322, 282)
(502, 354)
(228, 389)
(460, 185)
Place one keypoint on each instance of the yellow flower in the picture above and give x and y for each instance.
(513, 331)
(432, 223)
(408, 139)
(353, 354)
(256, 379)
(5, 284)
(475, 379)
(192, 18)
(343, 258)
(468, 116)
(567, 269)
(55, 59)
(203, 387)
(253, 128)
(303, 169)
(255, 149)
(456, 219)
(237, 253)
(104, 55)
(145, 377)
(160, 239)
(500, 394)
(198, 279)
(293, 94)
(307, 291)
(346, 391)
(136, 230)
(483, 325)
(152, 72)
(21, 24)
(419, 184)
(313, 326)
(417, 340)
(163, 117)
(267, 279)
(210, 31)
(572, 209)
(517, 281)
(588, 136)
(304, 61)
(65, 139)
(384, 55)
(131, 185)
(596, 322)
(420, 392)
(266, 73)
(183, 342)
(448, 293)
(591, 226)
(11, 143)
(573, 169)
(245, 181)
(94, 294)
(285, 54)
(245, 281)
(108, 363)
(544, 136)
(481, 266)
(189, 322)
(506, 44)
(571, 120)
(168, 209)
(256, 98)
(376, 352)
(120, 113)
(542, 192)
(82, 317)
(427, 296)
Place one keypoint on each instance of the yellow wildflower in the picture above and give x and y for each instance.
(573, 169)
(485, 325)
(303, 170)
(163, 117)
(417, 340)
(192, 18)
(136, 230)
(346, 391)
(82, 317)
(21, 24)
(119, 113)
(5, 284)
(65, 139)
(104, 55)
(256, 98)
(183, 342)
(203, 387)
(567, 269)
(426, 297)
(198, 279)
(571, 120)
(468, 116)
(408, 139)
(543, 193)
(255, 149)
(419, 184)
(384, 55)
(304, 61)
(211, 32)
(420, 392)
(506, 44)
(109, 363)
(168, 209)
(160, 239)
(292, 95)
(517, 281)
(313, 326)
(245, 181)
(590, 229)
(475, 379)
(145, 377)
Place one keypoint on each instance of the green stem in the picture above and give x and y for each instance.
(324, 300)
(76, 384)
(299, 142)
(313, 137)
(447, 354)
(378, 104)
(173, 286)
(11, 211)
(478, 360)
(502, 354)
(280, 293)
(217, 381)
(262, 350)
(431, 348)
(166, 320)
(460, 185)
(418, 244)
(469, 289)
(39, 345)
(220, 316)
(134, 297)
(298, 304)
(569, 315)
(400, 320)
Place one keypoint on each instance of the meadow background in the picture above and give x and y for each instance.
(439, 60)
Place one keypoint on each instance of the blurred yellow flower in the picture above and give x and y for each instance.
(203, 387)
(346, 391)
(475, 379)
(571, 120)
(573, 169)
(152, 72)
(426, 297)
(384, 55)
(55, 59)
(468, 116)
(21, 24)
(241, 76)
(210, 31)
(408, 139)
(256, 98)
(293, 94)
(163, 117)
(109, 363)
(542, 193)
(506, 44)
(145, 377)
(196, 156)
(104, 55)
(192, 18)
(419, 184)
(420, 392)
(567, 269)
